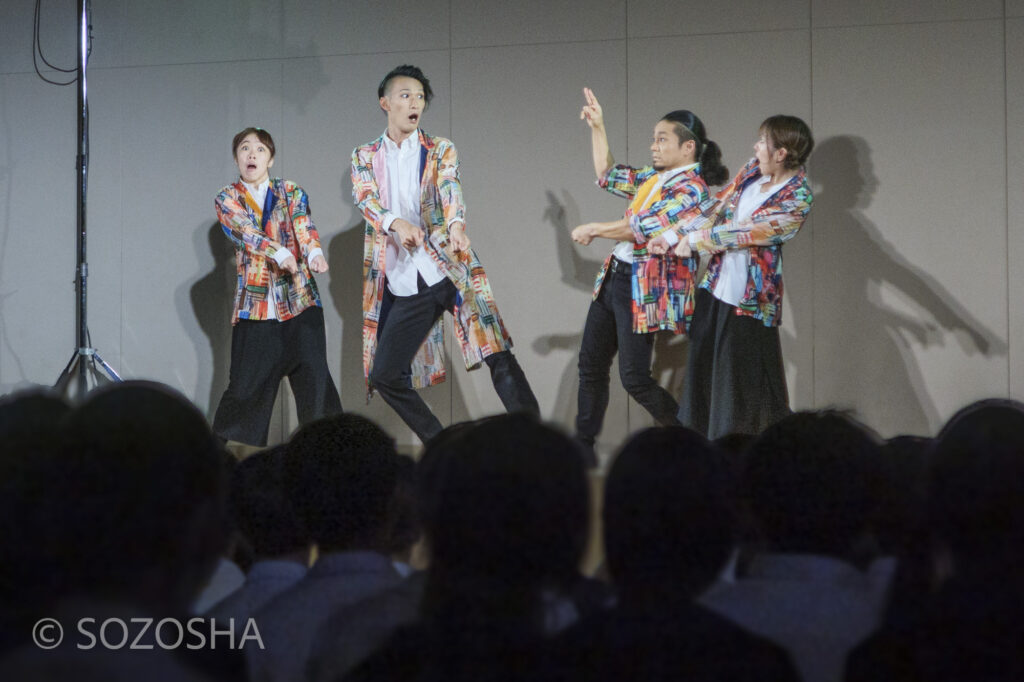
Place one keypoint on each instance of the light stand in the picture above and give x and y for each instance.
(85, 362)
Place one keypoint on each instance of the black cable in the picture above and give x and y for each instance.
(38, 42)
(37, 51)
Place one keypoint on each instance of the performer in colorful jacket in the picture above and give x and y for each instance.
(735, 381)
(278, 324)
(417, 263)
(636, 293)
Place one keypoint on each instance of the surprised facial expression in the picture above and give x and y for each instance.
(253, 159)
(404, 103)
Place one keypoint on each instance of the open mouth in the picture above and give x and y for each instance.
(414, 118)
(251, 166)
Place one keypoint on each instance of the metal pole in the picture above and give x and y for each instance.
(83, 186)
(84, 357)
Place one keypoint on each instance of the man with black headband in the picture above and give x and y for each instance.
(638, 293)
(417, 263)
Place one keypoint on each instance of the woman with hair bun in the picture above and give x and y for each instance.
(636, 293)
(735, 381)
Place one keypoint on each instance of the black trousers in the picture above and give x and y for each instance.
(735, 381)
(408, 322)
(609, 329)
(264, 352)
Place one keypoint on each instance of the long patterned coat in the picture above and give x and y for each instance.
(258, 237)
(662, 286)
(478, 326)
(776, 221)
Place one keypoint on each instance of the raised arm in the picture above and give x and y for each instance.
(594, 116)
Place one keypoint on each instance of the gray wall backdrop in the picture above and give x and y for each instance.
(899, 294)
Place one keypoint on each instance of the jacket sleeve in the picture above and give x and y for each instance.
(302, 221)
(769, 226)
(710, 210)
(622, 180)
(239, 227)
(449, 186)
(364, 189)
(677, 207)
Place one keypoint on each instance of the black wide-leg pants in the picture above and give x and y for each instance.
(735, 381)
(264, 352)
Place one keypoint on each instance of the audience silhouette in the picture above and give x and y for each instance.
(505, 523)
(669, 523)
(340, 473)
(810, 481)
(809, 552)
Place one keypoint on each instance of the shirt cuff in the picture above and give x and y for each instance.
(671, 236)
(388, 219)
(281, 255)
(314, 253)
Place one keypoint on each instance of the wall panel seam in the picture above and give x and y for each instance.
(814, 250)
(451, 132)
(1006, 200)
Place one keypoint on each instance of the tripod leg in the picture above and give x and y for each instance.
(111, 374)
(65, 376)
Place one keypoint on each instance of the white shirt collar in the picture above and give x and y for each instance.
(665, 175)
(257, 190)
(413, 141)
(765, 184)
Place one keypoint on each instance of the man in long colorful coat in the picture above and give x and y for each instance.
(417, 263)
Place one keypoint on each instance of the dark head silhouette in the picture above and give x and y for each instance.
(669, 518)
(341, 473)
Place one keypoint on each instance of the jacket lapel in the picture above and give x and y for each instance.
(268, 204)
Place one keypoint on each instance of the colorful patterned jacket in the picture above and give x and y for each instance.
(775, 222)
(478, 326)
(259, 232)
(662, 285)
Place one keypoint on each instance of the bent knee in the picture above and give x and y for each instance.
(389, 378)
(635, 382)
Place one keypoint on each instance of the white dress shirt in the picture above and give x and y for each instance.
(732, 278)
(403, 182)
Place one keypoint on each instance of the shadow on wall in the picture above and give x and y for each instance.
(305, 77)
(578, 273)
(10, 357)
(210, 300)
(344, 253)
(882, 354)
